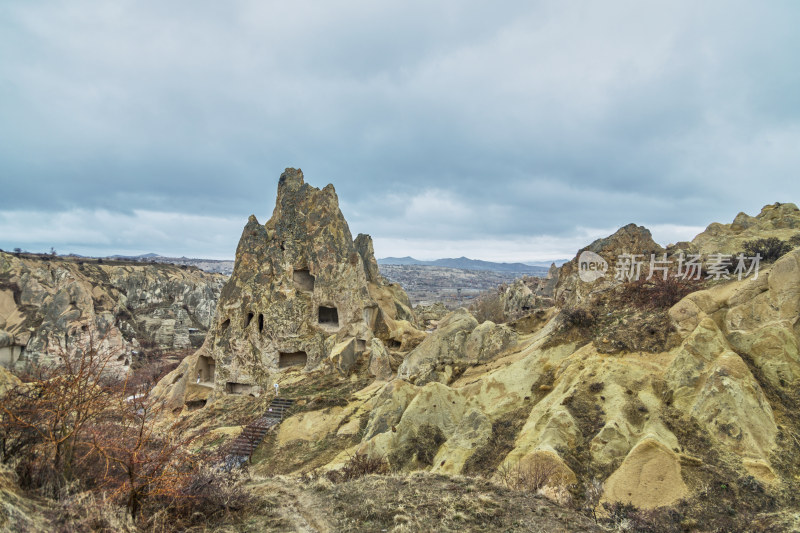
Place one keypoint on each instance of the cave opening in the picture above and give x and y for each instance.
(303, 280)
(328, 316)
(287, 359)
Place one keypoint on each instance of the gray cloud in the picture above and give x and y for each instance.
(445, 126)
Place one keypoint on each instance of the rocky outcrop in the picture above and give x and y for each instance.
(51, 305)
(458, 342)
(571, 290)
(303, 295)
(777, 220)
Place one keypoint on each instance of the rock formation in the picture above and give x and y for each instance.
(656, 425)
(631, 239)
(711, 402)
(48, 305)
(303, 295)
(776, 220)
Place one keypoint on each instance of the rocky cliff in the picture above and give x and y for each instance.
(48, 305)
(304, 295)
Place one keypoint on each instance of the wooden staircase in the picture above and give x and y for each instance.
(251, 436)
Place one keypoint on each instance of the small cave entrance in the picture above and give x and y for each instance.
(248, 319)
(303, 280)
(232, 387)
(206, 368)
(328, 316)
(194, 405)
(287, 359)
(394, 344)
(225, 324)
(260, 322)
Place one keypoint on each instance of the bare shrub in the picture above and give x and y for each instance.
(658, 293)
(423, 444)
(628, 517)
(591, 499)
(45, 421)
(138, 462)
(357, 466)
(208, 493)
(531, 478)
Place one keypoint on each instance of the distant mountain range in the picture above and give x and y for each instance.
(473, 264)
(538, 268)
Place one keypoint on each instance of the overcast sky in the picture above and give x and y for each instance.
(499, 131)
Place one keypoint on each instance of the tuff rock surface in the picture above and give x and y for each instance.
(303, 295)
(655, 426)
(50, 305)
(571, 291)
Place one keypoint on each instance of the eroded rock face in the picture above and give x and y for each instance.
(650, 476)
(570, 290)
(52, 305)
(303, 294)
(459, 341)
(528, 294)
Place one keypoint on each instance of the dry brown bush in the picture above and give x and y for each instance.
(579, 317)
(657, 293)
(769, 249)
(358, 465)
(531, 478)
(45, 422)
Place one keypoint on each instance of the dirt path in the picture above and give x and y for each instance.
(301, 507)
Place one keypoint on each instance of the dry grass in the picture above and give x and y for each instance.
(532, 478)
(430, 502)
(504, 432)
